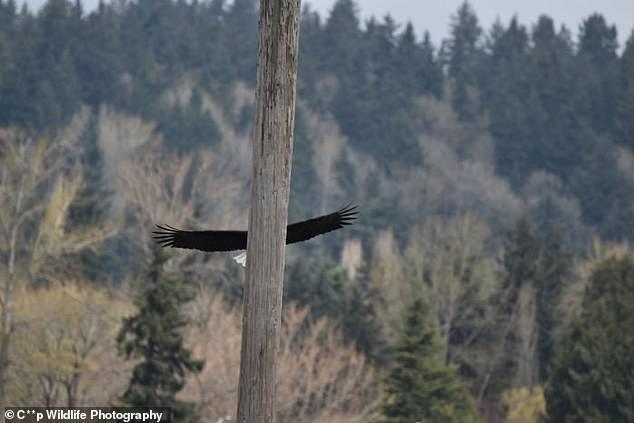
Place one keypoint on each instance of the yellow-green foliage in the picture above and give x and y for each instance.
(524, 405)
(64, 340)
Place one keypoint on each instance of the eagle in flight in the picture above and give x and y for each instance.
(210, 241)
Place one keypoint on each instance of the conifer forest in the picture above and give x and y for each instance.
(488, 278)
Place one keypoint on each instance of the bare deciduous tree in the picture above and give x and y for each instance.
(39, 181)
(182, 190)
(449, 265)
(352, 257)
(387, 277)
(320, 378)
(328, 143)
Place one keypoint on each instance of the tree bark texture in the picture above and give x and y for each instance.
(272, 157)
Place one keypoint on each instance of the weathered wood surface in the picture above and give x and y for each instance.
(272, 157)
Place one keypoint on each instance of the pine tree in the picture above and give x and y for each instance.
(419, 387)
(555, 268)
(431, 76)
(516, 358)
(625, 103)
(317, 283)
(240, 33)
(360, 322)
(597, 69)
(551, 70)
(464, 57)
(515, 111)
(153, 335)
(342, 55)
(593, 376)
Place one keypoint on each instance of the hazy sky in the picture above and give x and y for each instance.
(433, 15)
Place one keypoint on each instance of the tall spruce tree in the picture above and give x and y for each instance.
(625, 101)
(515, 358)
(463, 55)
(154, 336)
(419, 387)
(593, 377)
(597, 67)
(555, 268)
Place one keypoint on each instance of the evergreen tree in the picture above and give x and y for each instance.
(520, 260)
(343, 56)
(310, 44)
(431, 75)
(625, 102)
(92, 205)
(514, 106)
(360, 321)
(318, 284)
(153, 335)
(518, 310)
(551, 69)
(392, 86)
(555, 268)
(537, 268)
(303, 189)
(240, 32)
(189, 128)
(597, 69)
(419, 387)
(464, 57)
(99, 61)
(593, 376)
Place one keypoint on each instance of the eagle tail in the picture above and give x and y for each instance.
(241, 259)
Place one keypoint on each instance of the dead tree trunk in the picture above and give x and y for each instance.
(272, 153)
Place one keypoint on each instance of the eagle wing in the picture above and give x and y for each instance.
(168, 236)
(301, 231)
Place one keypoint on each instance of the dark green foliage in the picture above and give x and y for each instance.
(419, 387)
(597, 69)
(593, 377)
(92, 206)
(240, 32)
(542, 264)
(153, 336)
(550, 105)
(520, 267)
(98, 63)
(625, 102)
(521, 259)
(360, 322)
(463, 55)
(89, 208)
(303, 190)
(318, 283)
(602, 191)
(189, 128)
(326, 289)
(555, 271)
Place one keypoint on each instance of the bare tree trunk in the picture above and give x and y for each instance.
(272, 153)
(7, 303)
(5, 336)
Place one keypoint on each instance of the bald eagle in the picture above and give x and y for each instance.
(211, 241)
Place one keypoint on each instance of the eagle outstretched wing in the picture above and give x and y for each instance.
(307, 229)
(168, 236)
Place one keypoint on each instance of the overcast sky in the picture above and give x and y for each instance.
(433, 15)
